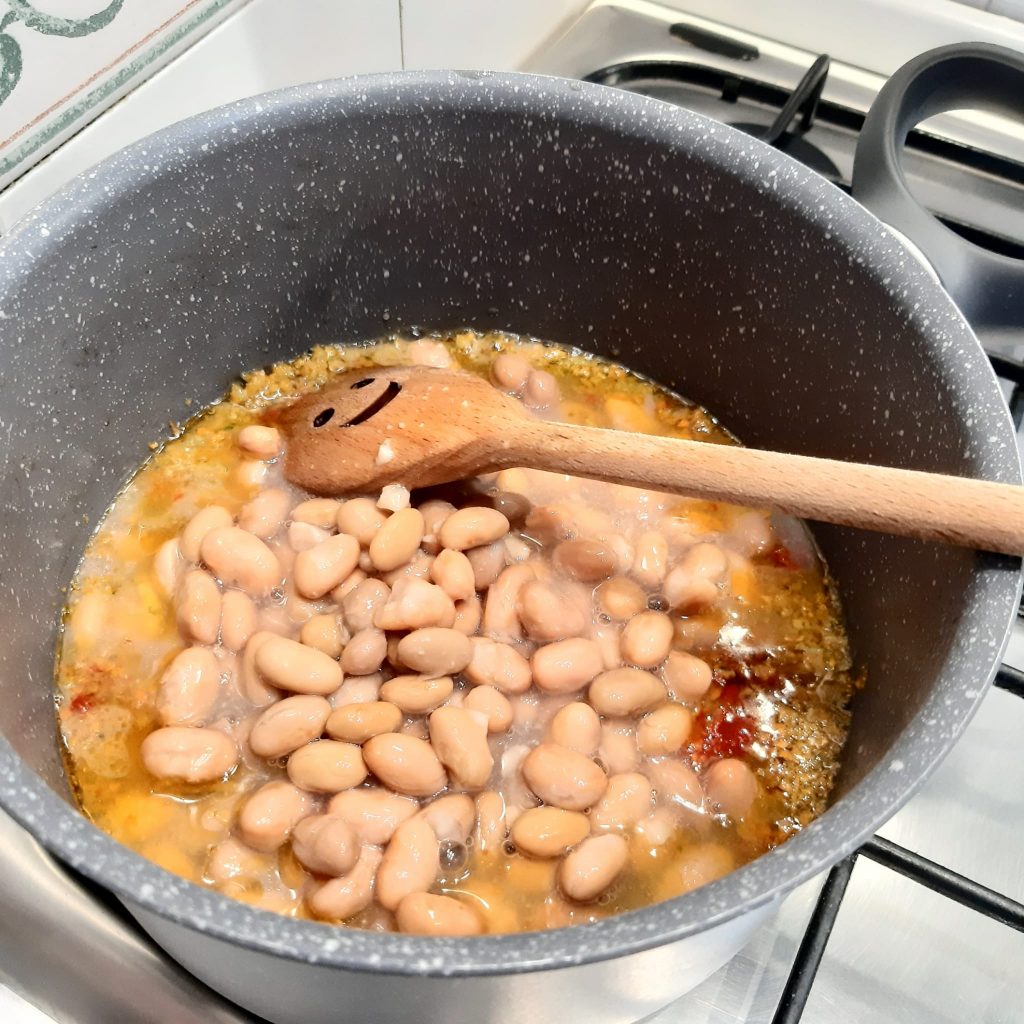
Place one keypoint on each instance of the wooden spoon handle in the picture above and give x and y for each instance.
(956, 510)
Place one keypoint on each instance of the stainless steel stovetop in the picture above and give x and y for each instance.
(898, 951)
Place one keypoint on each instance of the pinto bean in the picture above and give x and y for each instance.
(453, 573)
(360, 518)
(499, 665)
(168, 565)
(751, 534)
(327, 766)
(325, 633)
(731, 786)
(607, 636)
(625, 691)
(628, 799)
(563, 777)
(250, 474)
(701, 864)
(340, 898)
(459, 739)
(325, 845)
(471, 527)
(292, 666)
(664, 730)
(490, 821)
(585, 559)
(356, 723)
(426, 913)
(510, 372)
(549, 831)
(650, 560)
(348, 584)
(199, 606)
(415, 604)
(491, 703)
(266, 513)
(547, 614)
(240, 560)
(362, 602)
(487, 562)
(593, 866)
(303, 536)
(189, 688)
(230, 860)
(288, 725)
(397, 540)
(686, 676)
(621, 598)
(406, 764)
(577, 727)
(435, 651)
(268, 816)
(373, 813)
(697, 580)
(322, 568)
(319, 512)
(468, 614)
(434, 513)
(647, 639)
(205, 520)
(416, 695)
(365, 652)
(357, 690)
(188, 754)
(451, 817)
(410, 863)
(618, 750)
(237, 620)
(502, 605)
(251, 684)
(264, 442)
(566, 665)
(542, 390)
(677, 784)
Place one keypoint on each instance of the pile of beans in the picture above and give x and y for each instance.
(443, 680)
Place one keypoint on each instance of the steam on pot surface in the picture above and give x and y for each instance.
(517, 702)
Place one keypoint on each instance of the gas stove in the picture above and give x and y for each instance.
(924, 923)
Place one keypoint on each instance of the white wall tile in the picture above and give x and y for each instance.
(480, 34)
(268, 44)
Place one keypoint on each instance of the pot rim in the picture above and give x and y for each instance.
(982, 633)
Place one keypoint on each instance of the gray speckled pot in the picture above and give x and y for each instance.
(343, 210)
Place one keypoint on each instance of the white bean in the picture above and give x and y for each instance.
(264, 442)
(266, 513)
(199, 606)
(288, 725)
(593, 866)
(189, 688)
(460, 741)
(237, 620)
(410, 863)
(320, 569)
(397, 540)
(189, 754)
(566, 665)
(205, 520)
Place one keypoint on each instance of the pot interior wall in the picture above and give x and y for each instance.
(319, 224)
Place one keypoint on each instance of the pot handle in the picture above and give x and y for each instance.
(988, 287)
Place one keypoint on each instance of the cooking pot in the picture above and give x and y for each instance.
(344, 210)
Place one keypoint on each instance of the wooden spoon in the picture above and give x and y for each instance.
(420, 426)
